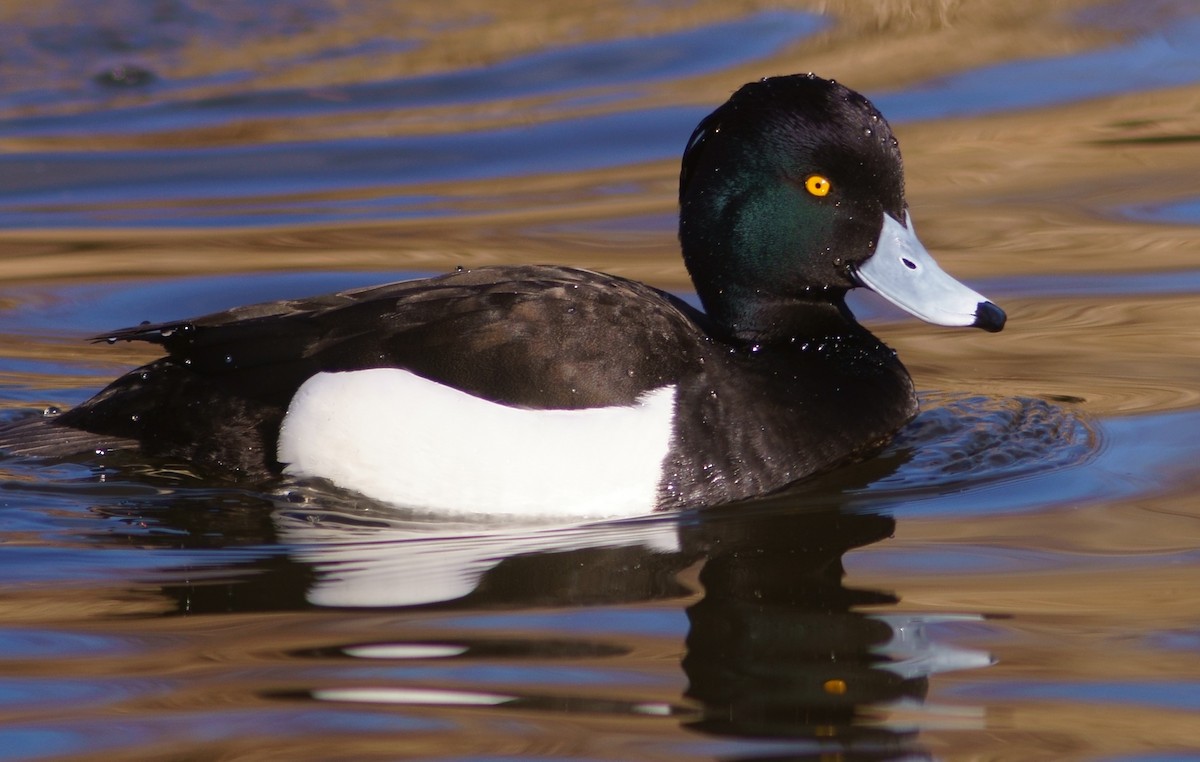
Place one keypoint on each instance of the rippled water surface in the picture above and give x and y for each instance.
(1015, 577)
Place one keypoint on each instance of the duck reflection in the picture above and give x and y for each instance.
(777, 645)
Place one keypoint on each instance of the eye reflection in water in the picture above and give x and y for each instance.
(776, 647)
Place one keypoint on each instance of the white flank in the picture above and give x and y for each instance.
(394, 436)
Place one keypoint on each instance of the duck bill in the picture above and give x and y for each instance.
(905, 274)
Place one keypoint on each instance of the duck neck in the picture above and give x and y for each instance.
(765, 320)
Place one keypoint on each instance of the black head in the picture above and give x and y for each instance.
(782, 194)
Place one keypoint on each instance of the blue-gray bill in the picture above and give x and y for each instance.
(902, 271)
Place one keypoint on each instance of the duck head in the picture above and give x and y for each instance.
(792, 193)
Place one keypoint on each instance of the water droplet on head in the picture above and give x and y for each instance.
(135, 417)
(51, 411)
(229, 359)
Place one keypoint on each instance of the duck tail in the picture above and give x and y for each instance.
(44, 436)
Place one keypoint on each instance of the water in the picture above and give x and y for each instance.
(1015, 577)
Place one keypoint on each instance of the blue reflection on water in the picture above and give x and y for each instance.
(43, 565)
(671, 623)
(96, 307)
(71, 735)
(1161, 58)
(1162, 756)
(34, 743)
(24, 643)
(33, 691)
(1180, 696)
(570, 71)
(1182, 212)
(1138, 455)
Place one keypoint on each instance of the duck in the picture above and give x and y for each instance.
(546, 390)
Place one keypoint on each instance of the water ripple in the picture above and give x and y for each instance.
(617, 68)
(1156, 58)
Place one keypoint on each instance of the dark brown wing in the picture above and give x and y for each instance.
(542, 337)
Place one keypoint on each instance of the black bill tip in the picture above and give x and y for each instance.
(989, 317)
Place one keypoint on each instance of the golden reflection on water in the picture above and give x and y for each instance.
(1116, 355)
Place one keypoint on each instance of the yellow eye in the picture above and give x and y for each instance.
(818, 185)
